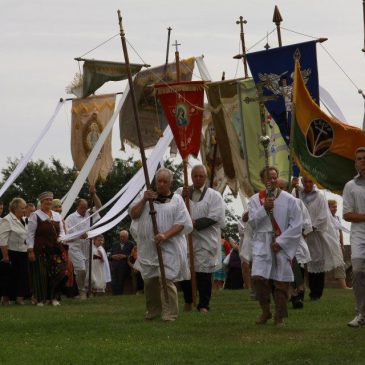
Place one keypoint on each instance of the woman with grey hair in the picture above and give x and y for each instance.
(13, 232)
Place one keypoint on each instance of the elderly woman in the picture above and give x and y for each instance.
(46, 252)
(13, 232)
(173, 222)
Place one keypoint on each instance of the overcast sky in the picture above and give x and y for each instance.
(39, 40)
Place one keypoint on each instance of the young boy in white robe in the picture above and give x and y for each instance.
(276, 221)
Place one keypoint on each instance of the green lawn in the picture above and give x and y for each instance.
(111, 330)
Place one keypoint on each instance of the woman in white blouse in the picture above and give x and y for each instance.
(13, 232)
(45, 251)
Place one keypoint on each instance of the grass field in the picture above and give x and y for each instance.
(111, 330)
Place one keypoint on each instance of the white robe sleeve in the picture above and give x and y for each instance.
(32, 227)
(307, 222)
(257, 214)
(290, 237)
(182, 216)
(320, 221)
(217, 209)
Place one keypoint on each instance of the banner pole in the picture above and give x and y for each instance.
(143, 156)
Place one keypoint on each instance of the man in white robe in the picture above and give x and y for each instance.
(274, 244)
(208, 214)
(324, 249)
(79, 248)
(173, 222)
(354, 212)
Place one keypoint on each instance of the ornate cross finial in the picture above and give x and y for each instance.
(241, 21)
(277, 19)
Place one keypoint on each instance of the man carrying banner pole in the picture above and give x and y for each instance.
(182, 103)
(273, 276)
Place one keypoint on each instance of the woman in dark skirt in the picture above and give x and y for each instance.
(13, 232)
(46, 252)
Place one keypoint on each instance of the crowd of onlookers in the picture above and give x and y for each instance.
(37, 264)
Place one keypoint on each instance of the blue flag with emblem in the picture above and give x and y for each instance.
(275, 69)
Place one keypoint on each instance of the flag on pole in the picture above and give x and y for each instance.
(183, 104)
(275, 68)
(323, 147)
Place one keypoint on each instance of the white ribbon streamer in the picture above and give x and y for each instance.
(89, 163)
(131, 189)
(24, 161)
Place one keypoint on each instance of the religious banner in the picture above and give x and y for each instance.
(97, 73)
(89, 117)
(183, 104)
(152, 118)
(323, 147)
(249, 131)
(212, 158)
(274, 69)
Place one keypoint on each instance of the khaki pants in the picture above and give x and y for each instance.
(264, 288)
(155, 300)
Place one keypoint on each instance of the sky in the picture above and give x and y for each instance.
(39, 40)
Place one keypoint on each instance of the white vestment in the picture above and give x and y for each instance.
(174, 250)
(322, 242)
(206, 242)
(303, 255)
(79, 248)
(98, 281)
(245, 247)
(289, 219)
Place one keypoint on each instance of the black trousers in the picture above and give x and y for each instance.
(204, 286)
(19, 278)
(316, 284)
(119, 275)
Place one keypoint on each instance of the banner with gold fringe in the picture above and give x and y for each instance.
(89, 117)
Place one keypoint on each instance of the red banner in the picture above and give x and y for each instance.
(183, 104)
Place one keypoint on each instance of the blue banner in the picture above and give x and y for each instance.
(275, 68)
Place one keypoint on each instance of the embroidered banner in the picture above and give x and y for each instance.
(89, 117)
(323, 146)
(152, 119)
(183, 104)
(275, 68)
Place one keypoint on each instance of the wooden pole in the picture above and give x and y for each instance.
(190, 235)
(143, 156)
(242, 36)
(277, 19)
(187, 198)
(177, 60)
(89, 292)
(169, 29)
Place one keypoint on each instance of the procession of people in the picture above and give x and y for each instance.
(289, 241)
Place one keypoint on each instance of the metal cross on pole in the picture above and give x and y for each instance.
(241, 21)
(177, 60)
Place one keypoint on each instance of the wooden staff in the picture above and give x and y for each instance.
(169, 29)
(277, 19)
(243, 55)
(89, 291)
(187, 198)
(143, 156)
(190, 235)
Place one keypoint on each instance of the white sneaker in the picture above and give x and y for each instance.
(358, 321)
(40, 304)
(55, 303)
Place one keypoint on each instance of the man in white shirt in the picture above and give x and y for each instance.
(208, 214)
(354, 212)
(79, 248)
